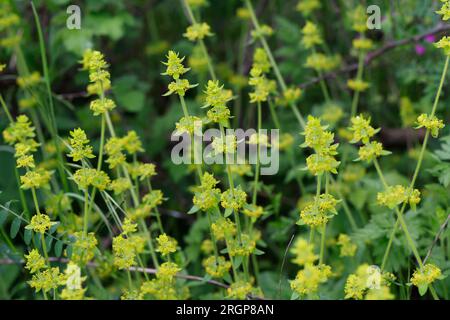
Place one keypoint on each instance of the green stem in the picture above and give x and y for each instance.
(257, 168)
(273, 63)
(86, 212)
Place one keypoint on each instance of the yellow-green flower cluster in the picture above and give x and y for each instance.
(322, 142)
(444, 44)
(141, 170)
(40, 223)
(163, 287)
(233, 199)
(153, 199)
(445, 10)
(253, 211)
(290, 96)
(100, 79)
(425, 276)
(44, 278)
(198, 31)
(319, 211)
(311, 35)
(239, 290)
(175, 69)
(369, 283)
(34, 261)
(223, 228)
(166, 244)
(79, 144)
(362, 131)
(217, 98)
(87, 177)
(30, 80)
(74, 283)
(21, 133)
(116, 146)
(216, 268)
(306, 7)
(8, 23)
(321, 62)
(126, 248)
(362, 44)
(431, 123)
(243, 247)
(207, 195)
(261, 86)
(49, 279)
(358, 19)
(263, 31)
(347, 247)
(83, 248)
(395, 195)
(303, 252)
(358, 85)
(195, 4)
(307, 280)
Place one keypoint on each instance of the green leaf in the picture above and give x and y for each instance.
(237, 261)
(48, 243)
(58, 248)
(15, 226)
(258, 252)
(423, 289)
(69, 251)
(27, 235)
(193, 210)
(228, 212)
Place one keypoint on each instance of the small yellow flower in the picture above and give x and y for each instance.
(198, 31)
(358, 85)
(422, 278)
(245, 247)
(239, 290)
(243, 13)
(347, 247)
(223, 228)
(216, 268)
(47, 280)
(311, 35)
(444, 44)
(40, 223)
(174, 65)
(431, 123)
(308, 280)
(166, 244)
(253, 211)
(319, 211)
(30, 80)
(444, 11)
(34, 261)
(303, 252)
(188, 125)
(362, 44)
(362, 130)
(321, 62)
(101, 106)
(371, 151)
(233, 199)
(79, 143)
(306, 7)
(263, 31)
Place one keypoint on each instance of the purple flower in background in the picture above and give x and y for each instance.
(420, 50)
(430, 38)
